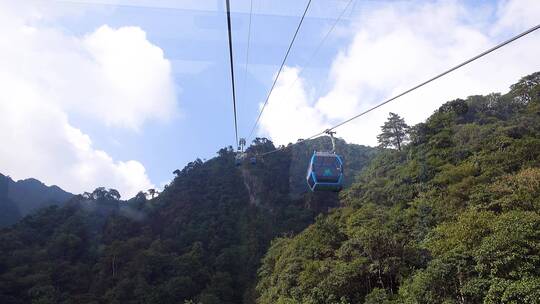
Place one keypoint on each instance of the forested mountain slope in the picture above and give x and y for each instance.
(201, 239)
(451, 218)
(22, 197)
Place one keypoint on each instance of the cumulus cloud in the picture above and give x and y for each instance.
(134, 73)
(290, 103)
(40, 142)
(113, 76)
(516, 15)
(396, 46)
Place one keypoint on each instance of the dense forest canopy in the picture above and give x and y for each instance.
(446, 211)
(201, 239)
(452, 217)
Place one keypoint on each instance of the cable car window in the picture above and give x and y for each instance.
(326, 169)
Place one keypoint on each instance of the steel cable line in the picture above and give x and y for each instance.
(279, 71)
(317, 49)
(248, 44)
(232, 71)
(498, 46)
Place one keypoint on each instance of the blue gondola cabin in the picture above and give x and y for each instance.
(325, 172)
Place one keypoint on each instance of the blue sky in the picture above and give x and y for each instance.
(120, 93)
(195, 41)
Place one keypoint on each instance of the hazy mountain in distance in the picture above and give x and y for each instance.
(20, 198)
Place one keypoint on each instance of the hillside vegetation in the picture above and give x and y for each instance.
(451, 218)
(201, 239)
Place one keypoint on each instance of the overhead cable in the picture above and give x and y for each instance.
(498, 46)
(280, 69)
(317, 49)
(232, 71)
(248, 45)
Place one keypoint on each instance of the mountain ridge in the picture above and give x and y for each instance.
(200, 239)
(22, 197)
(450, 217)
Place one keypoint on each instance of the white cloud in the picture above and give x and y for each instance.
(132, 72)
(397, 46)
(289, 103)
(517, 15)
(39, 142)
(115, 77)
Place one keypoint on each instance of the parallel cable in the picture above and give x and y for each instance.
(317, 49)
(280, 69)
(248, 45)
(352, 9)
(232, 71)
(498, 46)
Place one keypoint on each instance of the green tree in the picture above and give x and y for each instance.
(451, 218)
(395, 132)
(152, 192)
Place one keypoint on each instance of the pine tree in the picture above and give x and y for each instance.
(395, 132)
